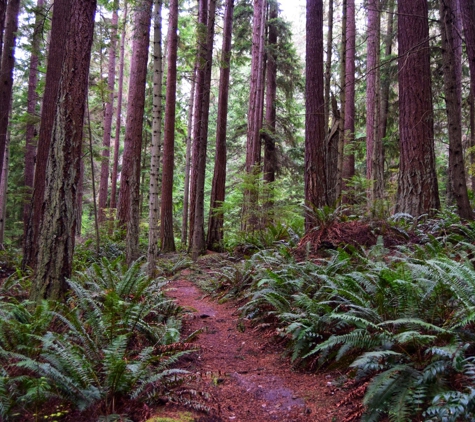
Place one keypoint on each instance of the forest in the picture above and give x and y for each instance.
(318, 173)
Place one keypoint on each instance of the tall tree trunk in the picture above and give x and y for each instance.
(255, 113)
(200, 65)
(270, 163)
(385, 72)
(166, 215)
(3, 8)
(109, 111)
(334, 158)
(186, 189)
(199, 244)
(315, 178)
(218, 190)
(328, 64)
(253, 151)
(56, 239)
(452, 67)
(417, 190)
(472, 140)
(3, 192)
(349, 125)
(59, 27)
(374, 157)
(31, 126)
(6, 71)
(154, 204)
(467, 10)
(118, 125)
(129, 195)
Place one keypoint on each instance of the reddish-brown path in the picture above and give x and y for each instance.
(243, 371)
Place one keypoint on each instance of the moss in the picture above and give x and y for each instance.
(179, 417)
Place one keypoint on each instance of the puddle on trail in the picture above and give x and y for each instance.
(268, 389)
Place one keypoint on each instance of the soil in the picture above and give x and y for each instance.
(244, 370)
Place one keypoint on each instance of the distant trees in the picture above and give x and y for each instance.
(274, 145)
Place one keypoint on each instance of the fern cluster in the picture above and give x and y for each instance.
(116, 336)
(403, 322)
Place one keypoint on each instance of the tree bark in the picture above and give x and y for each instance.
(154, 203)
(335, 150)
(31, 126)
(328, 64)
(270, 163)
(467, 10)
(452, 68)
(385, 72)
(200, 65)
(374, 148)
(3, 8)
(56, 239)
(315, 171)
(166, 213)
(218, 190)
(3, 192)
(349, 125)
(6, 71)
(417, 190)
(109, 111)
(186, 188)
(118, 125)
(253, 150)
(199, 244)
(129, 195)
(59, 27)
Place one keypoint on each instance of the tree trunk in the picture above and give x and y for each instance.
(166, 215)
(467, 10)
(328, 64)
(349, 125)
(118, 125)
(6, 71)
(200, 65)
(186, 189)
(3, 8)
(199, 245)
(335, 151)
(154, 203)
(254, 116)
(216, 219)
(385, 72)
(452, 68)
(472, 140)
(109, 111)
(59, 27)
(253, 151)
(270, 163)
(56, 238)
(129, 195)
(417, 190)
(374, 157)
(31, 126)
(3, 192)
(315, 178)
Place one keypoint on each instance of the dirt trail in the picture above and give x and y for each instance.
(244, 372)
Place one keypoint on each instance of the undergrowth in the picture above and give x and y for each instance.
(400, 321)
(115, 340)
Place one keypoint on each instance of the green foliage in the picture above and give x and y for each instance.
(403, 322)
(117, 336)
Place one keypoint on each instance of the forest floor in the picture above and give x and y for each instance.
(244, 370)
